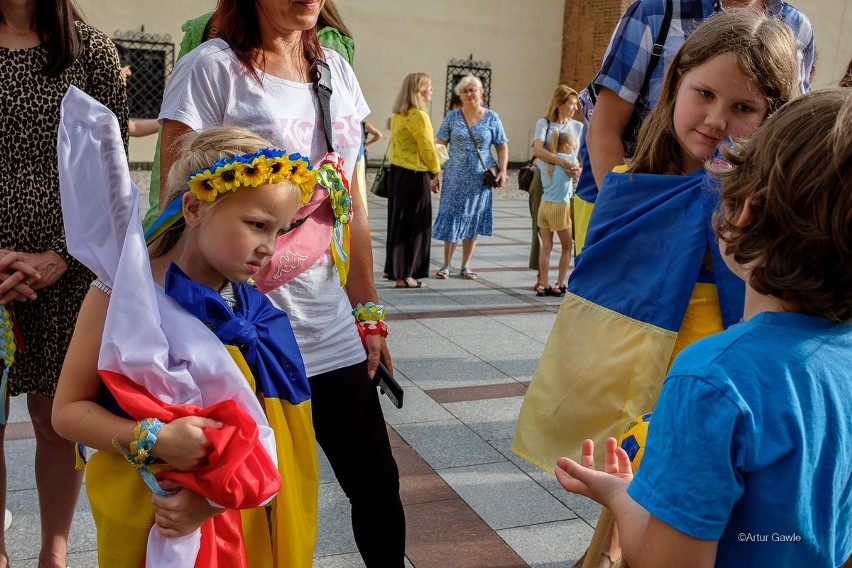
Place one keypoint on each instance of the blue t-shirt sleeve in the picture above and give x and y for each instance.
(690, 477)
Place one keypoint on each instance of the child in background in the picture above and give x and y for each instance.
(554, 214)
(747, 457)
(231, 197)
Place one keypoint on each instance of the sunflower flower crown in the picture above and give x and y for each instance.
(266, 166)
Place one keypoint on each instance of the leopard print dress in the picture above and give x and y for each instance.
(30, 210)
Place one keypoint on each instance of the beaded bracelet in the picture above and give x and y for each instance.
(368, 312)
(139, 455)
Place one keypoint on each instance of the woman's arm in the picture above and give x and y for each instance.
(360, 286)
(603, 137)
(372, 134)
(171, 131)
(502, 163)
(540, 152)
(143, 127)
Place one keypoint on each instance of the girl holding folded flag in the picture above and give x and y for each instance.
(178, 365)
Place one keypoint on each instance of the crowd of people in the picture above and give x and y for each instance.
(691, 195)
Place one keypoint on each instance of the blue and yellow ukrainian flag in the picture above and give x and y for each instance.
(650, 259)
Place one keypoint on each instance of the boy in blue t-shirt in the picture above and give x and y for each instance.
(748, 460)
(554, 213)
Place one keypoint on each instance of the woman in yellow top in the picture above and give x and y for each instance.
(413, 173)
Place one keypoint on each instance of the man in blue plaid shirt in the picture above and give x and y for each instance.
(625, 64)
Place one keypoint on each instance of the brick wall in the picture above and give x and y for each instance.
(587, 29)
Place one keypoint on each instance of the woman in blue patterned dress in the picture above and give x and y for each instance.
(465, 209)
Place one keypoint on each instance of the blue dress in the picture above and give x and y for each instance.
(465, 209)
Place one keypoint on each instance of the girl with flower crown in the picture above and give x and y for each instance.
(261, 71)
(179, 366)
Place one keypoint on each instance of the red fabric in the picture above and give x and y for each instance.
(237, 474)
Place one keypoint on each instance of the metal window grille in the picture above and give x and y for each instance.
(458, 68)
(151, 58)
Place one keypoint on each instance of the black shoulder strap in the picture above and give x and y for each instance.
(656, 54)
(659, 46)
(322, 83)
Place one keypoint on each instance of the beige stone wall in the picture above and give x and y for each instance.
(832, 21)
(523, 41)
(161, 17)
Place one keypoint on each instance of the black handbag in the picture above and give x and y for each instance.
(526, 175)
(380, 182)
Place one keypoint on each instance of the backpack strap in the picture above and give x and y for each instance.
(656, 54)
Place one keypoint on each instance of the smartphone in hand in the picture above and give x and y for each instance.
(388, 385)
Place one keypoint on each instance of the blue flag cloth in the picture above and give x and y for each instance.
(647, 238)
(259, 329)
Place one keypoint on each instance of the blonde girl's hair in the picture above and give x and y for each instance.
(765, 50)
(560, 96)
(197, 150)
(556, 140)
(411, 94)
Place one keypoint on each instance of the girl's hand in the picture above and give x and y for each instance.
(602, 486)
(182, 513)
(182, 444)
(435, 184)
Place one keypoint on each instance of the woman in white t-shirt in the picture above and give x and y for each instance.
(563, 104)
(259, 73)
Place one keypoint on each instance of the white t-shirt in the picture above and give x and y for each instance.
(572, 127)
(210, 87)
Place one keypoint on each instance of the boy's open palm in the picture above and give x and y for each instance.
(602, 486)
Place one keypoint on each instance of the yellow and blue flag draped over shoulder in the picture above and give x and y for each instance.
(155, 351)
(610, 346)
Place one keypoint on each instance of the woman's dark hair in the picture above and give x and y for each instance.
(238, 24)
(55, 23)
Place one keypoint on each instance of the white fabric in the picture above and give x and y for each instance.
(210, 87)
(148, 337)
(572, 127)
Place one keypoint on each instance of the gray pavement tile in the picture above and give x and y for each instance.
(344, 561)
(492, 419)
(536, 325)
(504, 496)
(22, 538)
(452, 371)
(334, 533)
(549, 545)
(417, 407)
(20, 463)
(583, 507)
(448, 444)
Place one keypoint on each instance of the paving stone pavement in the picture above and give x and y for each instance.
(464, 351)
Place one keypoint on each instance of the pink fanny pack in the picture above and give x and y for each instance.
(300, 248)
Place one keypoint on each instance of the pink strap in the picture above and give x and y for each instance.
(300, 248)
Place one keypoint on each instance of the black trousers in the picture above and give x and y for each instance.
(350, 429)
(409, 234)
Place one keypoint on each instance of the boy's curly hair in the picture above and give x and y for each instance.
(796, 174)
